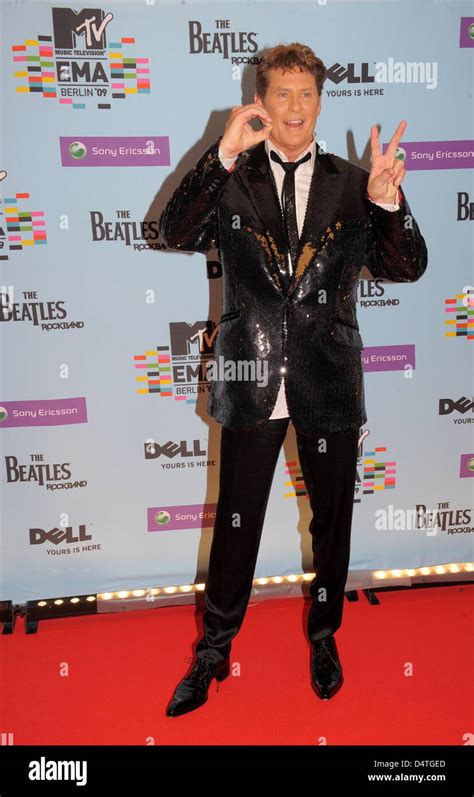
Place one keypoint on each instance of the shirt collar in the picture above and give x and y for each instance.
(311, 148)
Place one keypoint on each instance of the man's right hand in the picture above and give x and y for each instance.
(239, 135)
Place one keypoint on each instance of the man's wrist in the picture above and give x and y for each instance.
(397, 200)
(227, 162)
(225, 153)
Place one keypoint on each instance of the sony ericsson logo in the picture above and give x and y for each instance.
(181, 517)
(429, 155)
(77, 150)
(466, 35)
(162, 518)
(43, 412)
(114, 151)
(84, 61)
(466, 466)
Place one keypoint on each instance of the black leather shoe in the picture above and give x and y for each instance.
(192, 691)
(326, 669)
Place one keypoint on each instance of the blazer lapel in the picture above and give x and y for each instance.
(325, 193)
(324, 200)
(260, 187)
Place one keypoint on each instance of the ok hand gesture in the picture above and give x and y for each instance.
(239, 135)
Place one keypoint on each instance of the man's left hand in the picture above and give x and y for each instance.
(386, 172)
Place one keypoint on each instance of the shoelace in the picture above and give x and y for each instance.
(323, 643)
(201, 670)
(325, 647)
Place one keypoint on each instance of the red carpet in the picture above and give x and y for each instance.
(123, 667)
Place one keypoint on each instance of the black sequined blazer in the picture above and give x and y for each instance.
(305, 323)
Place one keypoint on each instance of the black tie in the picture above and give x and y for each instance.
(288, 201)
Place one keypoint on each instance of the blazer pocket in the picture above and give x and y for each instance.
(346, 334)
(228, 316)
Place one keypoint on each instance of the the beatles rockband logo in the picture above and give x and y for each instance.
(371, 293)
(238, 46)
(48, 315)
(51, 475)
(182, 454)
(21, 227)
(464, 207)
(78, 64)
(142, 235)
(443, 519)
(180, 368)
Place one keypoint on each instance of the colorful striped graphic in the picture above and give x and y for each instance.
(155, 368)
(128, 75)
(37, 56)
(377, 475)
(296, 484)
(24, 228)
(37, 72)
(460, 311)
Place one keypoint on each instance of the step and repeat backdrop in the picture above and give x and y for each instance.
(109, 462)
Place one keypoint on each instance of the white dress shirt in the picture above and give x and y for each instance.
(303, 176)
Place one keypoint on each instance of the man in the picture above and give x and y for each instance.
(294, 226)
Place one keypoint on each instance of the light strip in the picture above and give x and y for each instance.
(64, 601)
(379, 575)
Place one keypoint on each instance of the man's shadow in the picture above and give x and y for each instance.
(289, 484)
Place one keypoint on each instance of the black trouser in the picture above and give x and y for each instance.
(247, 466)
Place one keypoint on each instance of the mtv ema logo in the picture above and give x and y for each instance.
(178, 369)
(76, 65)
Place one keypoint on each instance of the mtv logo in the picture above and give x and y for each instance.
(70, 25)
(197, 338)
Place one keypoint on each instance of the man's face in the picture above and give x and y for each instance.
(293, 103)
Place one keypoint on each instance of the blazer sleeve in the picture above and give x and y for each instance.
(189, 221)
(396, 249)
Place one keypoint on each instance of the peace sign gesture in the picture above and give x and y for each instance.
(386, 173)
